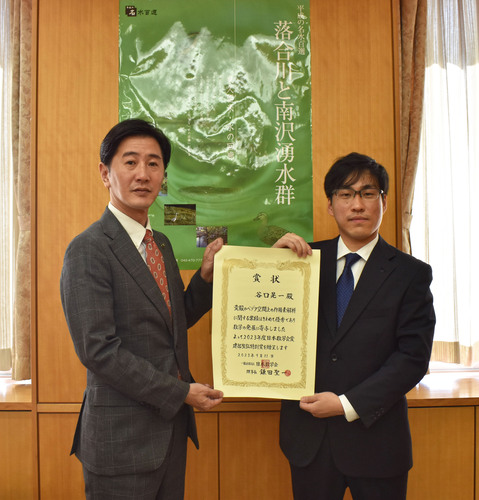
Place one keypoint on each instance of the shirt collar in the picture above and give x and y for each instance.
(364, 252)
(134, 229)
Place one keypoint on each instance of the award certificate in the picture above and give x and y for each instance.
(264, 329)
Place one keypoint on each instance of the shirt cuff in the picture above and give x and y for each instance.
(349, 411)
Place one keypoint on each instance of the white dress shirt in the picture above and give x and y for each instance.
(134, 229)
(357, 268)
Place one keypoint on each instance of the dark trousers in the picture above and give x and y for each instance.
(321, 480)
(165, 483)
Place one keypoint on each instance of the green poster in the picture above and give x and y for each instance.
(229, 82)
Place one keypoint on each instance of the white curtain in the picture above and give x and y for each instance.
(445, 223)
(7, 262)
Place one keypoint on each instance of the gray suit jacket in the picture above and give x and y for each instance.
(131, 346)
(380, 351)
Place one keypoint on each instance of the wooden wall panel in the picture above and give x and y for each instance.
(443, 446)
(16, 456)
(353, 95)
(77, 105)
(246, 447)
(476, 457)
(61, 475)
(353, 109)
(202, 477)
(251, 462)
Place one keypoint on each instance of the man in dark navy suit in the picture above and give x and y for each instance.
(354, 431)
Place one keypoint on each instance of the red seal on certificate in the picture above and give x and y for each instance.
(287, 373)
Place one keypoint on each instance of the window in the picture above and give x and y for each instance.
(15, 221)
(7, 233)
(445, 224)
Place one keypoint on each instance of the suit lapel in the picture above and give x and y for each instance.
(126, 253)
(378, 267)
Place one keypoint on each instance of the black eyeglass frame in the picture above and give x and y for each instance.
(353, 192)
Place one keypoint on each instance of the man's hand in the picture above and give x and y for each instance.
(296, 243)
(322, 405)
(203, 397)
(208, 259)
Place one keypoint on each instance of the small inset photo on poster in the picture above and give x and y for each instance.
(180, 215)
(206, 234)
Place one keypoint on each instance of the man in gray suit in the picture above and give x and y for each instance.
(131, 335)
(371, 350)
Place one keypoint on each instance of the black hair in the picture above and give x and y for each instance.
(348, 169)
(133, 127)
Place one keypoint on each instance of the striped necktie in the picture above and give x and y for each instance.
(156, 265)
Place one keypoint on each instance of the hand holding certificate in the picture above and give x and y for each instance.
(265, 306)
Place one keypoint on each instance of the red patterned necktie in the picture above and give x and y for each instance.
(156, 265)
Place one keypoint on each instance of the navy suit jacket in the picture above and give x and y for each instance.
(380, 351)
(132, 348)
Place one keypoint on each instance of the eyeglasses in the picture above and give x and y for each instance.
(346, 195)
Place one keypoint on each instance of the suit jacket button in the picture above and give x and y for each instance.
(334, 357)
